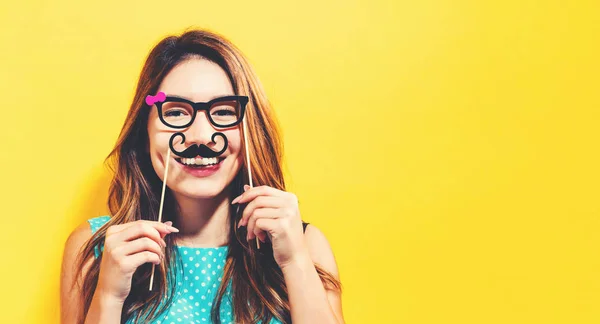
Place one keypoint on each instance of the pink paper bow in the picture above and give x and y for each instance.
(160, 97)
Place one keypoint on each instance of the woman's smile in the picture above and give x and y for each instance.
(199, 166)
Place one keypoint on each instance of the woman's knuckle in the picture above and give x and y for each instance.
(121, 262)
(113, 251)
(140, 226)
(150, 256)
(287, 213)
(108, 242)
(148, 230)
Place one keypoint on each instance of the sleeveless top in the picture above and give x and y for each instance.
(196, 283)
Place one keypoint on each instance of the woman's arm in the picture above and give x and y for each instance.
(310, 302)
(102, 310)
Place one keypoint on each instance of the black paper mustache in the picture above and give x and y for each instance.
(198, 150)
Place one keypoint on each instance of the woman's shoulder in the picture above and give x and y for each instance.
(87, 228)
(83, 233)
(319, 248)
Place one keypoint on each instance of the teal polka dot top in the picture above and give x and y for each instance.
(196, 284)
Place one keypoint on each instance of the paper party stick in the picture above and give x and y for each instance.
(248, 166)
(160, 209)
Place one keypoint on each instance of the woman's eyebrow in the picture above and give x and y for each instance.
(211, 98)
(177, 96)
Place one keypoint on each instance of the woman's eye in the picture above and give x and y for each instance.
(174, 113)
(224, 112)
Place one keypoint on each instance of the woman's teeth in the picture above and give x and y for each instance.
(200, 161)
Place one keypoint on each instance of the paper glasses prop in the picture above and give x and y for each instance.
(180, 113)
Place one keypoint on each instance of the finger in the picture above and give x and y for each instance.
(164, 228)
(140, 245)
(169, 224)
(136, 260)
(140, 229)
(259, 202)
(262, 236)
(161, 228)
(264, 226)
(268, 213)
(255, 192)
(259, 233)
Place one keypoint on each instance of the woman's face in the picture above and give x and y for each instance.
(197, 80)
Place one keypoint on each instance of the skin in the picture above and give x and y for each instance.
(204, 202)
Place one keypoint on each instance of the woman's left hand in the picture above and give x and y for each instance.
(274, 213)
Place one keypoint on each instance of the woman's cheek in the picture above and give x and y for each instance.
(235, 142)
(235, 150)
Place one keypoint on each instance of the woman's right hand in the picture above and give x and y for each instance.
(126, 247)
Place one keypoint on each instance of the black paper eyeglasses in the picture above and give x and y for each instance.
(178, 112)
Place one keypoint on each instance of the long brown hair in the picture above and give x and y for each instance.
(258, 287)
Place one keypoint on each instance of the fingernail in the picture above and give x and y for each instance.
(235, 200)
(164, 244)
(246, 187)
(169, 226)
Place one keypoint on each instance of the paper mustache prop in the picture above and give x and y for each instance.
(195, 150)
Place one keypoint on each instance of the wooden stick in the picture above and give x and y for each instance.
(160, 209)
(248, 166)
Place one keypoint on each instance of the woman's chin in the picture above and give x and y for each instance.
(200, 191)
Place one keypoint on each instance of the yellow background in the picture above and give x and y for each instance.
(448, 149)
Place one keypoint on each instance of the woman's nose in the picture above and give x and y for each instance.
(200, 131)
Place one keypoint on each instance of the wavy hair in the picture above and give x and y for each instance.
(258, 287)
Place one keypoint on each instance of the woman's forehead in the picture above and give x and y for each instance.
(197, 80)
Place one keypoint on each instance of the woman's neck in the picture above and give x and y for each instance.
(203, 222)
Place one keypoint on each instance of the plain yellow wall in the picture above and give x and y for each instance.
(448, 149)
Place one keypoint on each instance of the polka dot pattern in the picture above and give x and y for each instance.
(199, 275)
(95, 224)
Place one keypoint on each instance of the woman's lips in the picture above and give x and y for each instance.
(203, 171)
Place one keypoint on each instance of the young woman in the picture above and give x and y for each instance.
(207, 263)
